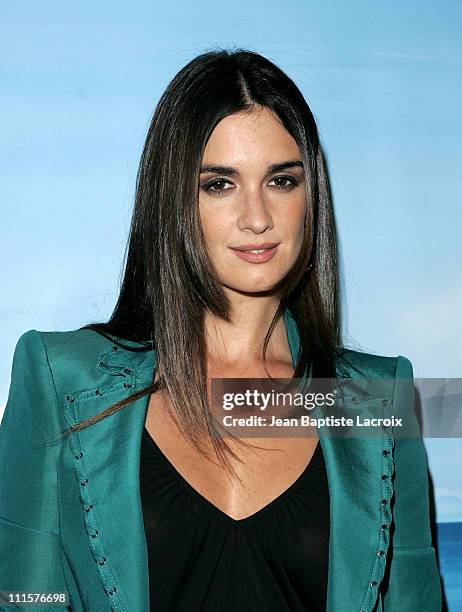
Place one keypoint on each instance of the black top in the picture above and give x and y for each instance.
(202, 559)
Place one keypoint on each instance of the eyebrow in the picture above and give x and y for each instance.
(293, 163)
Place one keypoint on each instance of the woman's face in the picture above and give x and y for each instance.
(245, 201)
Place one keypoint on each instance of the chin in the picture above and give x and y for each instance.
(259, 284)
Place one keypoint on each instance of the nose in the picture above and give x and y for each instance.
(254, 213)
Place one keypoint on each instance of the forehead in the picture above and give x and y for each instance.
(249, 136)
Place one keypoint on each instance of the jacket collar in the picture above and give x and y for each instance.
(360, 513)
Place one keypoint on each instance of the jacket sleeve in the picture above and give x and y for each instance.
(413, 581)
(30, 549)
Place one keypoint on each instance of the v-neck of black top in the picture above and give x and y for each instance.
(200, 558)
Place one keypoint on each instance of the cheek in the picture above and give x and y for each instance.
(216, 228)
(291, 223)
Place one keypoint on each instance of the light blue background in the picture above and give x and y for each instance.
(79, 82)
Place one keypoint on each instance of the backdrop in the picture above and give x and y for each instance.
(78, 87)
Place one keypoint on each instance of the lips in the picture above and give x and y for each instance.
(256, 253)
(253, 246)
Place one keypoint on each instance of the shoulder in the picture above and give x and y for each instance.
(43, 365)
(72, 347)
(84, 358)
(66, 356)
(76, 339)
(77, 343)
(354, 363)
(386, 376)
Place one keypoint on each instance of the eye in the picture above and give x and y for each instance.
(286, 187)
(214, 187)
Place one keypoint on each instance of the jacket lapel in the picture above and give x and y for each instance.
(359, 471)
(106, 460)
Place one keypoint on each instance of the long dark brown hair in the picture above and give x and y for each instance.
(169, 281)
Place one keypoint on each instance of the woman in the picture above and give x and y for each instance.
(231, 273)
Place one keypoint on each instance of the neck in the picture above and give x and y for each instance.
(241, 339)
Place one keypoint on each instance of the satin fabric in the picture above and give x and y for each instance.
(70, 512)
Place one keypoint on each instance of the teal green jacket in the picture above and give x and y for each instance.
(70, 512)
